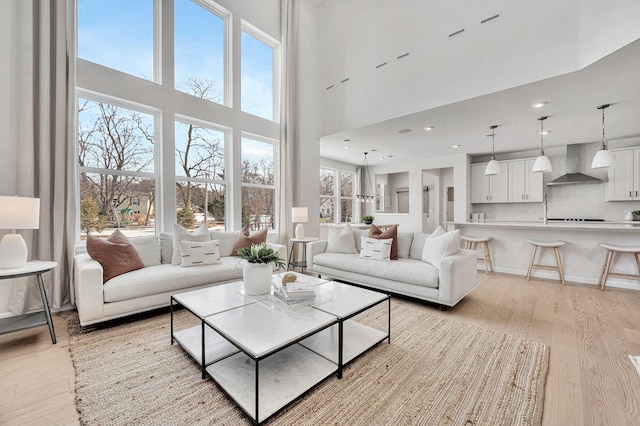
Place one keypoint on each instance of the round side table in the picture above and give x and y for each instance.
(302, 264)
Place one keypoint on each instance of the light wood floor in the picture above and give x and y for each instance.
(591, 333)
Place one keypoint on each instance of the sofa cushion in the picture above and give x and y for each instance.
(227, 241)
(391, 232)
(148, 249)
(166, 247)
(246, 240)
(402, 270)
(404, 244)
(198, 253)
(201, 233)
(437, 248)
(419, 238)
(341, 240)
(170, 278)
(376, 249)
(116, 255)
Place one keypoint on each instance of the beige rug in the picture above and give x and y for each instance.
(435, 371)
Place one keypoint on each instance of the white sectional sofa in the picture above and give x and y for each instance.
(150, 287)
(408, 275)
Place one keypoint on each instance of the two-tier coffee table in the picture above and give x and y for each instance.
(272, 355)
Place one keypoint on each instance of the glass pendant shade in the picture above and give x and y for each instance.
(542, 164)
(493, 168)
(604, 157)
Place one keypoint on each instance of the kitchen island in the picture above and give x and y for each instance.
(582, 256)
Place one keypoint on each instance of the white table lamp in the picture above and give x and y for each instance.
(300, 215)
(16, 213)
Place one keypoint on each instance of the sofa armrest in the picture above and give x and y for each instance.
(313, 248)
(87, 277)
(458, 276)
(282, 251)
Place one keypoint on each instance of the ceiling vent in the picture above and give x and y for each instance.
(381, 65)
(404, 55)
(345, 80)
(490, 18)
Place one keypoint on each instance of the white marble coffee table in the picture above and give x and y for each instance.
(282, 354)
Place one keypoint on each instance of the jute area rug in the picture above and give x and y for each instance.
(436, 371)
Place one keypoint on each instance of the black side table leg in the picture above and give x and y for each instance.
(45, 304)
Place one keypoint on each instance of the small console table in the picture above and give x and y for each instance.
(23, 322)
(300, 263)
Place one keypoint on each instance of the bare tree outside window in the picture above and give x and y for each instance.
(327, 193)
(258, 184)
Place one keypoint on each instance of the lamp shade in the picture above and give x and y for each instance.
(541, 165)
(19, 212)
(603, 158)
(493, 168)
(300, 214)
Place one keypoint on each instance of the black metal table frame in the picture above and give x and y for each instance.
(339, 321)
(43, 296)
(302, 264)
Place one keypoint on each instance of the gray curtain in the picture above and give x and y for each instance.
(46, 82)
(288, 120)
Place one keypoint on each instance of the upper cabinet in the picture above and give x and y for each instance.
(524, 186)
(624, 176)
(515, 183)
(489, 189)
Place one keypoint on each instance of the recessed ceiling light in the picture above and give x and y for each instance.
(347, 147)
(382, 158)
(539, 104)
(546, 132)
(428, 128)
(456, 146)
(404, 131)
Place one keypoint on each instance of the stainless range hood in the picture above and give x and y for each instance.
(573, 175)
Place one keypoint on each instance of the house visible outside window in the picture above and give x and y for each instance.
(327, 195)
(165, 137)
(258, 184)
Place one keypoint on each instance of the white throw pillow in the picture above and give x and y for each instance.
(148, 249)
(227, 241)
(437, 248)
(196, 253)
(181, 234)
(340, 240)
(375, 249)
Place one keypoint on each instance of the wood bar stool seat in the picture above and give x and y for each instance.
(606, 267)
(470, 244)
(555, 245)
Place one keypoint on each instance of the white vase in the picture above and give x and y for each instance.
(257, 277)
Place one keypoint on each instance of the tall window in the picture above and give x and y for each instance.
(327, 195)
(346, 195)
(199, 51)
(151, 151)
(116, 167)
(258, 184)
(106, 30)
(200, 175)
(257, 84)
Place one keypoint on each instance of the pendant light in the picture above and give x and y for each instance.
(493, 168)
(603, 158)
(364, 198)
(542, 163)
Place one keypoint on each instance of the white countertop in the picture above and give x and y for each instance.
(610, 226)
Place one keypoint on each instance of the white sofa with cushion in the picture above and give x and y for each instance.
(152, 286)
(445, 284)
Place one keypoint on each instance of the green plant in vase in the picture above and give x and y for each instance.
(367, 220)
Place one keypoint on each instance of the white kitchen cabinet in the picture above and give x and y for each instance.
(524, 186)
(489, 189)
(624, 176)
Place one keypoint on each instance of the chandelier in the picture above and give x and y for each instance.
(365, 171)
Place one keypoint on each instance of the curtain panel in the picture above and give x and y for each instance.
(45, 133)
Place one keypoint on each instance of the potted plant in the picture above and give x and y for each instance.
(256, 274)
(636, 214)
(367, 220)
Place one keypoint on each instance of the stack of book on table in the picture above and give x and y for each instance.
(294, 296)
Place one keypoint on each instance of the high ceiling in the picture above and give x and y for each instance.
(570, 102)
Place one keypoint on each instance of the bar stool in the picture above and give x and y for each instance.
(470, 244)
(555, 245)
(606, 267)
